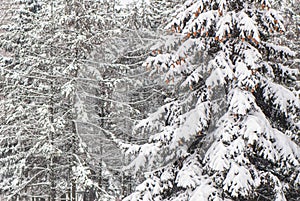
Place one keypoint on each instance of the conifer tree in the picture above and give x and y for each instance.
(15, 147)
(73, 53)
(125, 91)
(251, 152)
(39, 136)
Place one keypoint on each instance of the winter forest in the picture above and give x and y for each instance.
(149, 100)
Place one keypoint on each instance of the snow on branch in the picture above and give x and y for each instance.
(241, 102)
(282, 98)
(248, 27)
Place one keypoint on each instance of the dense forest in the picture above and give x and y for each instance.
(150, 100)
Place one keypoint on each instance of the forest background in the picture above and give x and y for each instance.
(149, 100)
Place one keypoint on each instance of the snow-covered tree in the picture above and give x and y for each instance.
(48, 41)
(15, 147)
(230, 129)
(120, 95)
(150, 14)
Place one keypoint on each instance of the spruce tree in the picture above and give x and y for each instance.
(230, 130)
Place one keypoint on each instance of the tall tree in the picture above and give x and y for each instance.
(79, 90)
(39, 134)
(15, 119)
(251, 152)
